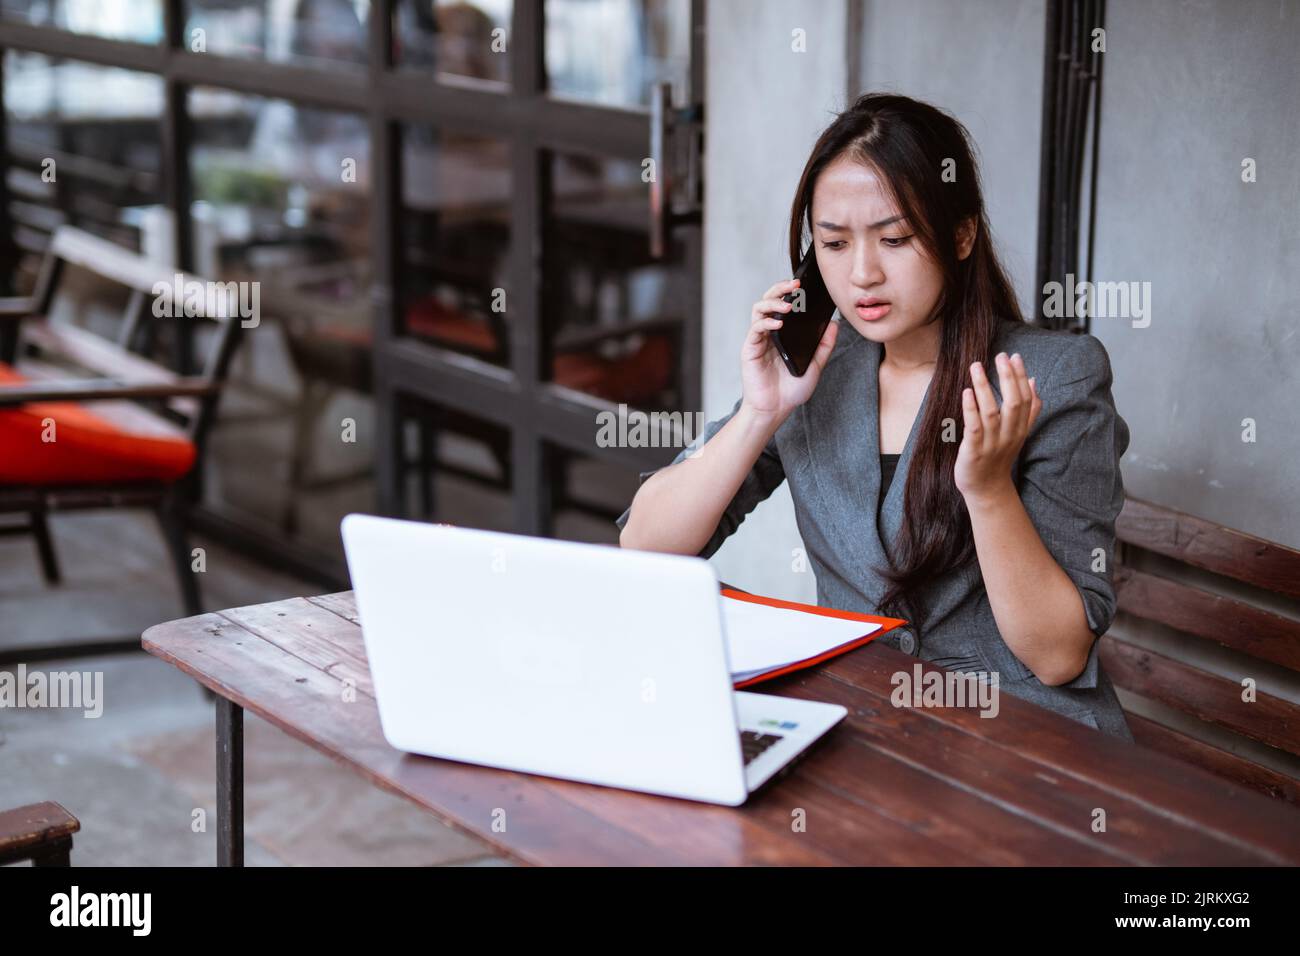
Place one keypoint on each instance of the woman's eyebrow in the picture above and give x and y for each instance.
(836, 227)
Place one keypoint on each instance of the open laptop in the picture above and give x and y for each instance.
(580, 661)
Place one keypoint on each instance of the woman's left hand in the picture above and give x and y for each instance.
(992, 437)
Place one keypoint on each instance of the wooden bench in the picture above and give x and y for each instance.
(50, 361)
(1154, 539)
(40, 832)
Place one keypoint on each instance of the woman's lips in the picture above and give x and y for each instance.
(871, 313)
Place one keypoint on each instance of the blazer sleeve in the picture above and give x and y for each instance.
(1070, 479)
(763, 478)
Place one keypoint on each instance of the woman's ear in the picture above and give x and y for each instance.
(966, 230)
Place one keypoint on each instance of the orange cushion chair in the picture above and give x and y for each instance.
(118, 445)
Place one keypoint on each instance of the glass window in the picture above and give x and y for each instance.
(330, 31)
(139, 21)
(587, 495)
(85, 148)
(456, 466)
(275, 183)
(282, 200)
(455, 39)
(614, 51)
(455, 230)
(612, 316)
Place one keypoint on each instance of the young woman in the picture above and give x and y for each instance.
(949, 463)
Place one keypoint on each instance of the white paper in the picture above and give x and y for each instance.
(761, 638)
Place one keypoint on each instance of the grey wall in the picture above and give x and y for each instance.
(982, 62)
(1191, 89)
(765, 107)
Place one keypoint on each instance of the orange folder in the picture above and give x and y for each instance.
(886, 624)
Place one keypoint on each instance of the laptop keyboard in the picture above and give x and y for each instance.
(753, 743)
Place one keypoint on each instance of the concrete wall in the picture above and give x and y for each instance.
(982, 62)
(766, 104)
(1191, 89)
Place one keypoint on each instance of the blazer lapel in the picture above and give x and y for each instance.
(892, 513)
(842, 426)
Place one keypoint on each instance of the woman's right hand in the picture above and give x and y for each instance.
(767, 385)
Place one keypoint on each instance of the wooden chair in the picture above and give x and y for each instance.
(141, 444)
(1153, 537)
(40, 832)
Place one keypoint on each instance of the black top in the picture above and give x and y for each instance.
(887, 465)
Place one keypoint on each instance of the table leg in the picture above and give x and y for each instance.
(57, 854)
(230, 783)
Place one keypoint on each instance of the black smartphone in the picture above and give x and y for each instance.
(801, 331)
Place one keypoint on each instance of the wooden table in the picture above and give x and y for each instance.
(888, 786)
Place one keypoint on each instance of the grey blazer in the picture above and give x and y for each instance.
(1068, 476)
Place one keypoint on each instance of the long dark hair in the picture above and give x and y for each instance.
(924, 159)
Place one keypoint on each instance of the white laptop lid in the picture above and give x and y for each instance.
(573, 660)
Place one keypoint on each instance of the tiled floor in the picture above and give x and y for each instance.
(140, 778)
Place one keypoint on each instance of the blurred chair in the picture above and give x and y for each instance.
(331, 350)
(142, 446)
(330, 340)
